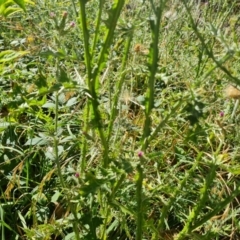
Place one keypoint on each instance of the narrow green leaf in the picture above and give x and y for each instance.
(22, 219)
(9, 55)
(5, 225)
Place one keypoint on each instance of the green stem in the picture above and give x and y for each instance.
(92, 82)
(84, 139)
(93, 86)
(27, 172)
(235, 108)
(2, 220)
(153, 61)
(139, 200)
(86, 40)
(112, 23)
(99, 18)
(55, 142)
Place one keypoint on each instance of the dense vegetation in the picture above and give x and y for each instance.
(113, 120)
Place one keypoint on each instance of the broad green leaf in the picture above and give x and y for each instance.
(52, 53)
(92, 184)
(62, 76)
(36, 141)
(55, 196)
(41, 83)
(72, 101)
(49, 105)
(36, 102)
(20, 3)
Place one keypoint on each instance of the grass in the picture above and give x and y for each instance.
(114, 124)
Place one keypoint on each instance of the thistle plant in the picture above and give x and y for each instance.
(113, 122)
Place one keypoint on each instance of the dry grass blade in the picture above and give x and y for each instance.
(15, 180)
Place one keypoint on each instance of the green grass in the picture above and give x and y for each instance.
(113, 122)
